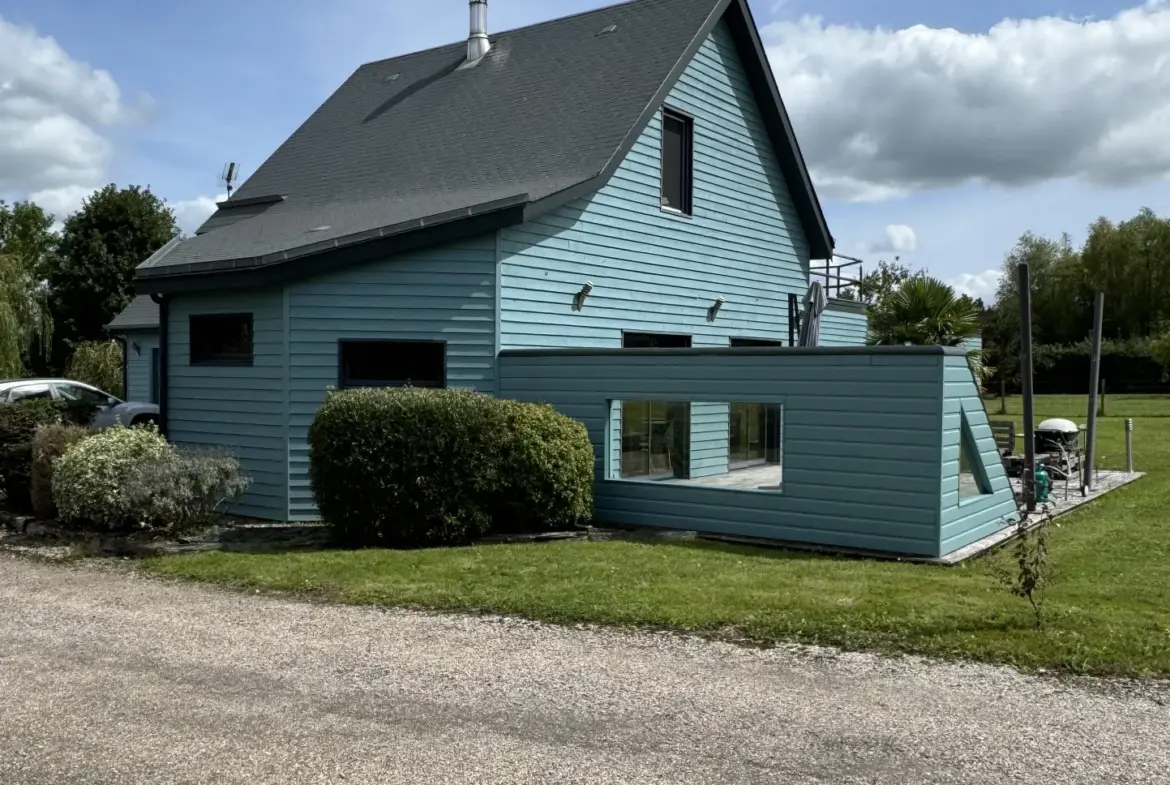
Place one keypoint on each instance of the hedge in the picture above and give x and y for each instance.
(1126, 367)
(19, 422)
(410, 467)
(49, 444)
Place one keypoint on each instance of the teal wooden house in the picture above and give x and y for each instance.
(608, 212)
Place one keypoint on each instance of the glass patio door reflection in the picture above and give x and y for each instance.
(755, 434)
(655, 438)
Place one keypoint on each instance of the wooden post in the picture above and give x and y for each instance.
(1002, 396)
(1094, 381)
(1029, 426)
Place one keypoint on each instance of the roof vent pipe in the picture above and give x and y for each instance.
(478, 43)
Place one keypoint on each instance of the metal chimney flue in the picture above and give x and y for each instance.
(478, 43)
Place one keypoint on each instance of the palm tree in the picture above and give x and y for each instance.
(924, 311)
(25, 320)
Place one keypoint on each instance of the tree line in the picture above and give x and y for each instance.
(61, 284)
(1130, 263)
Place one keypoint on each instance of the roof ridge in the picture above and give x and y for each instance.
(463, 41)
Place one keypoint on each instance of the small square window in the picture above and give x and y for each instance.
(678, 135)
(655, 341)
(393, 364)
(221, 339)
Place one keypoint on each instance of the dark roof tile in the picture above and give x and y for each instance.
(141, 313)
(413, 137)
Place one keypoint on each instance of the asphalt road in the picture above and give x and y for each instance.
(108, 678)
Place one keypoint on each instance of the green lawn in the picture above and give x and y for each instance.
(1108, 613)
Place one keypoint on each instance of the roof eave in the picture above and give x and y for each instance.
(114, 327)
(759, 72)
(343, 252)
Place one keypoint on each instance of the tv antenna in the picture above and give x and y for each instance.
(231, 173)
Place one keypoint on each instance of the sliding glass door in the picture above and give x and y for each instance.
(754, 434)
(655, 438)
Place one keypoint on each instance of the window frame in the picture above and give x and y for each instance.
(343, 381)
(745, 342)
(220, 360)
(682, 336)
(687, 165)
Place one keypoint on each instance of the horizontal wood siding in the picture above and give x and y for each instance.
(656, 271)
(974, 518)
(445, 293)
(861, 439)
(238, 408)
(843, 328)
(138, 346)
(710, 426)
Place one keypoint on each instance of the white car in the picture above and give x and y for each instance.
(110, 410)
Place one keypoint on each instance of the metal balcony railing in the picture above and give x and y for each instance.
(842, 279)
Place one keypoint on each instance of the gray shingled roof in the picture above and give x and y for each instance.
(415, 141)
(141, 313)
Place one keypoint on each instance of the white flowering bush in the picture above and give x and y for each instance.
(89, 480)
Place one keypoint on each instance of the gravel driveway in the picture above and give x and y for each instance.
(109, 678)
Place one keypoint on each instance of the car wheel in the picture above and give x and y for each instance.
(144, 419)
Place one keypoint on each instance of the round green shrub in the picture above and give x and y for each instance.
(547, 473)
(405, 467)
(408, 467)
(89, 480)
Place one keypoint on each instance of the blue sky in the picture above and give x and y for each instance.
(884, 109)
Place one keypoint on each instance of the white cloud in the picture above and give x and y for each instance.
(899, 239)
(52, 112)
(881, 113)
(191, 213)
(981, 285)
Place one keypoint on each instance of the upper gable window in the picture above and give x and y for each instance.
(678, 133)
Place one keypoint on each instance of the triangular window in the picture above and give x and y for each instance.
(972, 473)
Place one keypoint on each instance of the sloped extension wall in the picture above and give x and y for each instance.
(967, 520)
(844, 323)
(862, 436)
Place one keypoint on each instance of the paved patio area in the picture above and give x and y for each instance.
(766, 477)
(1061, 501)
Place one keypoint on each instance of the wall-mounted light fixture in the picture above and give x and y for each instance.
(713, 311)
(579, 297)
